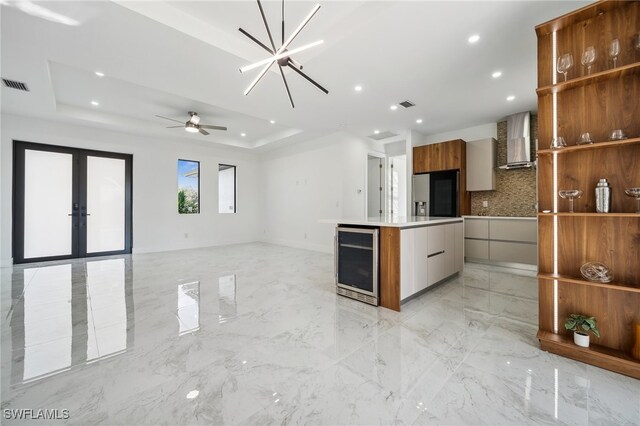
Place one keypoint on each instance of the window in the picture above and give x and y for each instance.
(188, 187)
(226, 188)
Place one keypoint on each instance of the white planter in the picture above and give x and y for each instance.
(581, 339)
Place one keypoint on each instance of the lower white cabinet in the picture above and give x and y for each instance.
(429, 254)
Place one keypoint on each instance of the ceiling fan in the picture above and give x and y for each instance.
(282, 55)
(193, 124)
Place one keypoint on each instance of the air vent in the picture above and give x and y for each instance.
(18, 85)
(407, 104)
(382, 135)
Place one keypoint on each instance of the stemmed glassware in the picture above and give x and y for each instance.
(614, 51)
(588, 58)
(570, 194)
(564, 63)
(558, 143)
(634, 193)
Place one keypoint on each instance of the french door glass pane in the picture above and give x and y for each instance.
(48, 192)
(105, 204)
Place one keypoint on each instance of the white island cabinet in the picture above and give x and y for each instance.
(414, 253)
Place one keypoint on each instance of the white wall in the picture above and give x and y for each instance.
(321, 179)
(489, 130)
(156, 223)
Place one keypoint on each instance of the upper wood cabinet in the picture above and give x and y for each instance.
(450, 155)
(606, 99)
(481, 164)
(437, 157)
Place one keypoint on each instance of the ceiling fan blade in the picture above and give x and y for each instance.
(266, 25)
(204, 132)
(286, 86)
(300, 27)
(209, 126)
(256, 41)
(258, 78)
(282, 21)
(172, 119)
(174, 127)
(309, 79)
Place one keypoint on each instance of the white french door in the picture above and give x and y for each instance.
(70, 203)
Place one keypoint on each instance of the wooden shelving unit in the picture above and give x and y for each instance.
(598, 77)
(607, 99)
(604, 357)
(595, 145)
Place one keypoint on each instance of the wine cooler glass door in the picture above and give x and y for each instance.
(357, 260)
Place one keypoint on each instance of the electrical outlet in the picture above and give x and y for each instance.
(485, 203)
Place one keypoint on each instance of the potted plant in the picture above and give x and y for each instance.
(581, 325)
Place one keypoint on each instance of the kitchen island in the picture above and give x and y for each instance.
(414, 253)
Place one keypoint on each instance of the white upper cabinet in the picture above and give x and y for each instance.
(481, 164)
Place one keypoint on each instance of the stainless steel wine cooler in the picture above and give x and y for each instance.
(356, 263)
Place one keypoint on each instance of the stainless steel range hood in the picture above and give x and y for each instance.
(518, 141)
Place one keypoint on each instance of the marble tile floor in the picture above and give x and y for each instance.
(255, 334)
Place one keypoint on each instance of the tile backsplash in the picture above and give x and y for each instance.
(515, 193)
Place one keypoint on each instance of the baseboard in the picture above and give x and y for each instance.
(524, 266)
(5, 263)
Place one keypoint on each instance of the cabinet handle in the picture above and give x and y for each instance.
(435, 254)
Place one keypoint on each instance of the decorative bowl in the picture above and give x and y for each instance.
(596, 272)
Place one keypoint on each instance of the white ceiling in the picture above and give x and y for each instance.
(168, 58)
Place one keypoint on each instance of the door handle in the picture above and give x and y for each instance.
(72, 214)
(86, 214)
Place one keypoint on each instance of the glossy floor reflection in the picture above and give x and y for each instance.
(255, 334)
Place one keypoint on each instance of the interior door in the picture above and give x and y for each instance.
(69, 203)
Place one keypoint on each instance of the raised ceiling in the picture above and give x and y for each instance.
(168, 58)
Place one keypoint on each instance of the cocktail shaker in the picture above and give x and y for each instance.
(603, 196)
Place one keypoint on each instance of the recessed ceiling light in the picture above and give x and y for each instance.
(419, 121)
(272, 121)
(376, 131)
(510, 97)
(243, 134)
(193, 394)
(496, 74)
(474, 38)
(358, 88)
(394, 107)
(95, 103)
(99, 74)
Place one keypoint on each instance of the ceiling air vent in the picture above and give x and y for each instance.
(18, 85)
(407, 104)
(382, 135)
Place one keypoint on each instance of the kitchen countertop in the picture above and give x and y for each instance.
(502, 217)
(395, 221)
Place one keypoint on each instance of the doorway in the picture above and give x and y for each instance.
(70, 203)
(375, 186)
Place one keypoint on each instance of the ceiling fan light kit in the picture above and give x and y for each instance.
(282, 55)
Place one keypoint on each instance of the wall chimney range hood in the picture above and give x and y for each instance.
(518, 141)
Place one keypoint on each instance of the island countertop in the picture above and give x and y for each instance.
(395, 221)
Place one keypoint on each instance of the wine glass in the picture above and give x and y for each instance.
(570, 194)
(557, 143)
(614, 51)
(588, 58)
(634, 193)
(585, 139)
(564, 63)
